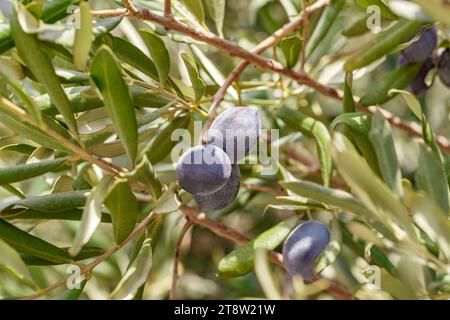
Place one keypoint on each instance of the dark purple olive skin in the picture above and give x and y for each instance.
(422, 48)
(444, 67)
(302, 247)
(224, 196)
(203, 169)
(236, 131)
(418, 86)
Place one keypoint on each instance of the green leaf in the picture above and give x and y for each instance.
(11, 262)
(196, 8)
(159, 54)
(368, 187)
(313, 128)
(322, 27)
(397, 79)
(383, 143)
(331, 197)
(53, 11)
(136, 274)
(240, 261)
(91, 215)
(27, 243)
(430, 177)
(85, 253)
(161, 144)
(348, 102)
(40, 66)
(291, 47)
(107, 75)
(197, 83)
(265, 275)
(168, 202)
(382, 44)
(6, 42)
(7, 73)
(431, 219)
(332, 250)
(410, 100)
(357, 127)
(49, 203)
(216, 9)
(26, 171)
(83, 37)
(129, 53)
(145, 173)
(124, 209)
(381, 5)
(10, 117)
(70, 215)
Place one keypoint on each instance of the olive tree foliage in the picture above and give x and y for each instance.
(92, 91)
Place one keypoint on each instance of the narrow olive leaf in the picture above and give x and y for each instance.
(197, 83)
(357, 28)
(332, 250)
(302, 201)
(53, 11)
(331, 197)
(159, 54)
(107, 75)
(27, 19)
(411, 101)
(7, 73)
(124, 209)
(85, 253)
(291, 47)
(6, 42)
(73, 214)
(161, 144)
(26, 171)
(313, 128)
(136, 274)
(11, 263)
(196, 8)
(40, 66)
(11, 117)
(397, 79)
(132, 55)
(13, 190)
(168, 202)
(348, 104)
(383, 143)
(216, 9)
(92, 213)
(356, 129)
(240, 261)
(382, 44)
(381, 5)
(370, 190)
(430, 177)
(431, 219)
(145, 173)
(211, 69)
(265, 275)
(83, 37)
(75, 293)
(322, 27)
(49, 203)
(27, 243)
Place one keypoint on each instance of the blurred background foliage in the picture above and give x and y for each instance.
(410, 249)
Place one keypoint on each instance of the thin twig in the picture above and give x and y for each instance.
(176, 258)
(305, 37)
(168, 9)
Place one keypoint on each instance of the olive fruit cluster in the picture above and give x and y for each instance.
(422, 51)
(302, 247)
(210, 172)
